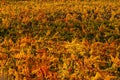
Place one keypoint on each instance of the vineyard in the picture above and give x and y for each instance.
(60, 40)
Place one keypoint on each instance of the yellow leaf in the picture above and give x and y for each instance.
(97, 76)
(48, 33)
(108, 77)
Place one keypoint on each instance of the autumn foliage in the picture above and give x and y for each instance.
(69, 40)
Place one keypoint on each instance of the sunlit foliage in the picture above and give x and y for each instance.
(60, 40)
